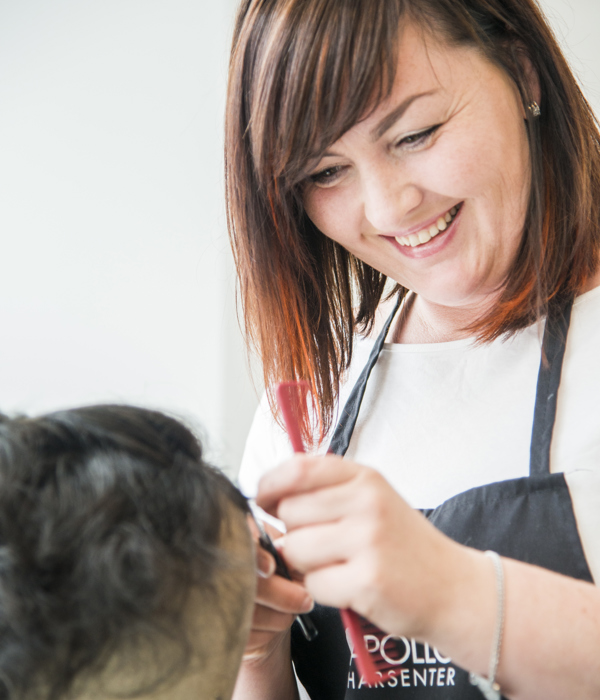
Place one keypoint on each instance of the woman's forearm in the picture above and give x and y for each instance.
(552, 635)
(551, 643)
(270, 678)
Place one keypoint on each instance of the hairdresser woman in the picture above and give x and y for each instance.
(444, 149)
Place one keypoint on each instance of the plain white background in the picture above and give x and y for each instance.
(116, 281)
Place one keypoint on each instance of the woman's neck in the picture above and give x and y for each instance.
(422, 321)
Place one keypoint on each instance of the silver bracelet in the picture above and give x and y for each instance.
(488, 686)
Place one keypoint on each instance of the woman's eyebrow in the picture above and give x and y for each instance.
(378, 131)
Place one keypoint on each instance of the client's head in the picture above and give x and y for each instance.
(126, 564)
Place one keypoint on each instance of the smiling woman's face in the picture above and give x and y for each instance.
(431, 188)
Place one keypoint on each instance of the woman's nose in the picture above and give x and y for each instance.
(388, 198)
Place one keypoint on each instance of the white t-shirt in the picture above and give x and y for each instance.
(438, 419)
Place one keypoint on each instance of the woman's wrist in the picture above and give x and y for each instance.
(489, 685)
(465, 617)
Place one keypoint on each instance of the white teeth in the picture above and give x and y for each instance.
(424, 236)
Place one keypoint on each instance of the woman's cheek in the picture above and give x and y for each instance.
(335, 211)
(453, 170)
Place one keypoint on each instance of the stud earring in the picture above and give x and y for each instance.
(534, 109)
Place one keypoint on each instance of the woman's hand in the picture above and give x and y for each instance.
(277, 603)
(360, 545)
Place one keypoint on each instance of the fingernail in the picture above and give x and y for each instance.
(265, 564)
(307, 604)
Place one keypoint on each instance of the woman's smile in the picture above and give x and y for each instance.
(420, 235)
(431, 188)
(428, 239)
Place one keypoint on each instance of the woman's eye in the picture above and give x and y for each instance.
(326, 177)
(417, 139)
(329, 176)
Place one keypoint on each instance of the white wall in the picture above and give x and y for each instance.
(576, 24)
(115, 275)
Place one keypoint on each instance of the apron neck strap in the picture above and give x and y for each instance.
(553, 352)
(349, 414)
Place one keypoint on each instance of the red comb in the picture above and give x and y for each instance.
(291, 398)
(364, 660)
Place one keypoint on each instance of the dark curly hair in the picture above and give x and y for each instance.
(109, 520)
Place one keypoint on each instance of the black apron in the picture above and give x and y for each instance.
(530, 519)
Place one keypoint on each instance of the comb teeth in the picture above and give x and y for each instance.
(364, 659)
(380, 664)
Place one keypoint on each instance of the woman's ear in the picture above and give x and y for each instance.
(531, 82)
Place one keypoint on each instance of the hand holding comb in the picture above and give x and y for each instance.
(290, 398)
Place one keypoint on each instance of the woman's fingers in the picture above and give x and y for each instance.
(335, 586)
(265, 563)
(328, 504)
(303, 474)
(266, 619)
(267, 627)
(276, 605)
(327, 544)
(283, 596)
(278, 601)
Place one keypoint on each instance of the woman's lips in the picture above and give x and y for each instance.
(424, 250)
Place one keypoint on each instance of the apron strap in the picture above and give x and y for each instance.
(345, 427)
(553, 352)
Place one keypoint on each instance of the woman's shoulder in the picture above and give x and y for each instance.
(590, 294)
(585, 319)
(592, 284)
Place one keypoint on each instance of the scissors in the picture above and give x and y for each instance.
(306, 624)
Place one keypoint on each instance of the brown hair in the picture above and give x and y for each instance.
(302, 73)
